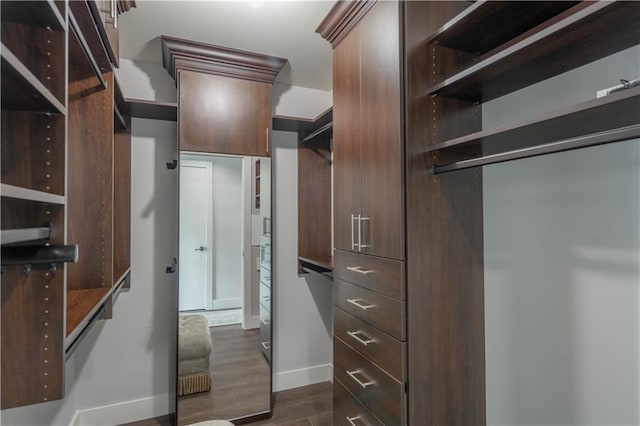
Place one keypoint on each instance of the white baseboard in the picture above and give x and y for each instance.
(252, 322)
(124, 412)
(229, 303)
(302, 377)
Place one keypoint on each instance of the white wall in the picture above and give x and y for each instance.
(303, 306)
(227, 229)
(146, 81)
(300, 102)
(562, 257)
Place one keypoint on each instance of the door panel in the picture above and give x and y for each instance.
(224, 115)
(381, 148)
(195, 186)
(346, 138)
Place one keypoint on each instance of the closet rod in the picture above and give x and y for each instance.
(86, 50)
(22, 235)
(37, 255)
(616, 135)
(318, 132)
(119, 116)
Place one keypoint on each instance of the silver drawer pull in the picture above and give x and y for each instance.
(266, 298)
(360, 220)
(355, 334)
(358, 270)
(360, 305)
(352, 374)
(266, 322)
(351, 419)
(266, 345)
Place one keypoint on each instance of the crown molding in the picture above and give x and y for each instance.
(179, 54)
(342, 18)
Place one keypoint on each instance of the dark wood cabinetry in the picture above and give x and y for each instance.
(224, 115)
(64, 232)
(452, 57)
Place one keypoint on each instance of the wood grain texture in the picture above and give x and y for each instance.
(80, 303)
(32, 314)
(386, 352)
(121, 200)
(314, 199)
(41, 51)
(90, 186)
(82, 13)
(444, 248)
(381, 132)
(346, 139)
(33, 151)
(385, 276)
(347, 408)
(241, 379)
(385, 397)
(387, 314)
(224, 115)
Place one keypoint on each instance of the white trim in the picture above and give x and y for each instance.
(302, 377)
(124, 412)
(228, 303)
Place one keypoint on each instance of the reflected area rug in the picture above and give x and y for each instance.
(221, 317)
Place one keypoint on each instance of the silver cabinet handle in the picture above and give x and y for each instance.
(360, 220)
(201, 248)
(355, 245)
(111, 8)
(360, 305)
(267, 138)
(266, 345)
(266, 298)
(265, 322)
(355, 334)
(353, 373)
(351, 419)
(358, 270)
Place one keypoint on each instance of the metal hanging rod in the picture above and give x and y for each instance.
(616, 135)
(318, 132)
(38, 255)
(22, 235)
(86, 50)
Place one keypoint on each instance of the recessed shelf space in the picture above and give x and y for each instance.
(486, 25)
(154, 110)
(600, 116)
(21, 90)
(81, 304)
(81, 19)
(42, 13)
(582, 34)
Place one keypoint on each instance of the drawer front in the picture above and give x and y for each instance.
(382, 275)
(348, 411)
(378, 391)
(265, 296)
(265, 276)
(382, 312)
(385, 351)
(265, 333)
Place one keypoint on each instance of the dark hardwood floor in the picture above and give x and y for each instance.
(305, 406)
(240, 379)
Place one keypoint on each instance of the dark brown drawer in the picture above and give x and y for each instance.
(378, 391)
(382, 312)
(348, 411)
(385, 276)
(385, 351)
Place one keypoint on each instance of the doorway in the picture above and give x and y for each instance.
(211, 224)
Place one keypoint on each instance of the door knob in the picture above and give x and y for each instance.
(201, 248)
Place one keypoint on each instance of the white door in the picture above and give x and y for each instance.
(195, 213)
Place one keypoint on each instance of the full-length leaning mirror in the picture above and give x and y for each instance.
(224, 338)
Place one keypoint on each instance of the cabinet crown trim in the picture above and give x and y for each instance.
(179, 54)
(342, 18)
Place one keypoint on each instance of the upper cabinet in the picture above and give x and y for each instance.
(224, 97)
(367, 136)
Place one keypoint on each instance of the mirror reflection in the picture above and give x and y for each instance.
(224, 338)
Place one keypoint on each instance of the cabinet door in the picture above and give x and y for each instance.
(109, 15)
(346, 140)
(224, 115)
(381, 132)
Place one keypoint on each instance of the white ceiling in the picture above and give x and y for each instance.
(278, 28)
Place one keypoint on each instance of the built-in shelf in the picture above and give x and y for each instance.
(154, 110)
(486, 25)
(582, 34)
(323, 262)
(81, 305)
(21, 90)
(38, 13)
(615, 111)
(80, 16)
(30, 194)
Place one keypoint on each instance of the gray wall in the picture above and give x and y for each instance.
(562, 252)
